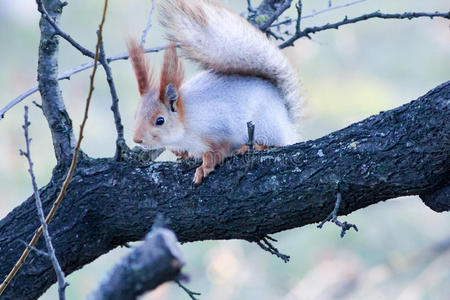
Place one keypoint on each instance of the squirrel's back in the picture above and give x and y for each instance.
(224, 42)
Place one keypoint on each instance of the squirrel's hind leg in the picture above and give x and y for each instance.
(180, 155)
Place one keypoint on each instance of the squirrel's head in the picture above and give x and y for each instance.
(160, 113)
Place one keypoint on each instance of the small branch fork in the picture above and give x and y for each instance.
(104, 62)
(280, 10)
(148, 26)
(60, 32)
(290, 42)
(36, 250)
(407, 15)
(333, 218)
(65, 184)
(190, 293)
(68, 74)
(284, 5)
(62, 284)
(266, 245)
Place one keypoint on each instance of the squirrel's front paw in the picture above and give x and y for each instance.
(198, 175)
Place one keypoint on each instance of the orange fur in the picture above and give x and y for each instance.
(211, 159)
(142, 72)
(172, 73)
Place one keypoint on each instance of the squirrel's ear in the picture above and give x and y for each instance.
(143, 74)
(171, 97)
(172, 75)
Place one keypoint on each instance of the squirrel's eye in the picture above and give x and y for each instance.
(159, 121)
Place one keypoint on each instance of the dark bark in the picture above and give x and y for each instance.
(438, 200)
(400, 152)
(52, 103)
(156, 261)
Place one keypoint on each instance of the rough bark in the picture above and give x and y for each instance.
(52, 102)
(157, 260)
(400, 152)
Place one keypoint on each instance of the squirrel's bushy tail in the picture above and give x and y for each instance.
(223, 41)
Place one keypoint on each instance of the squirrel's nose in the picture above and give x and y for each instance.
(137, 140)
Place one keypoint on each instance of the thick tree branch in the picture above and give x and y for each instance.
(396, 153)
(52, 103)
(157, 260)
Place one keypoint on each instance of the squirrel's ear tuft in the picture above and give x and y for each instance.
(143, 74)
(172, 75)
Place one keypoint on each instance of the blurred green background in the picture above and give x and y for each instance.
(347, 75)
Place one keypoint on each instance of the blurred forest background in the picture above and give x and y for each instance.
(347, 75)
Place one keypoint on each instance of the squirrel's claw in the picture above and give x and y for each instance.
(198, 176)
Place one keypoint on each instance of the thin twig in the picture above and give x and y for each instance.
(65, 184)
(299, 7)
(285, 22)
(266, 245)
(318, 12)
(120, 142)
(283, 7)
(68, 74)
(332, 217)
(330, 8)
(148, 26)
(407, 15)
(36, 250)
(190, 293)
(62, 284)
(61, 32)
(250, 7)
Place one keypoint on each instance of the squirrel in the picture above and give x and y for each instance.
(245, 78)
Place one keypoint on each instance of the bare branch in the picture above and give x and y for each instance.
(120, 141)
(62, 284)
(36, 250)
(190, 293)
(299, 7)
(333, 217)
(69, 175)
(407, 15)
(60, 32)
(330, 8)
(157, 260)
(266, 245)
(280, 10)
(250, 7)
(53, 106)
(69, 73)
(148, 26)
